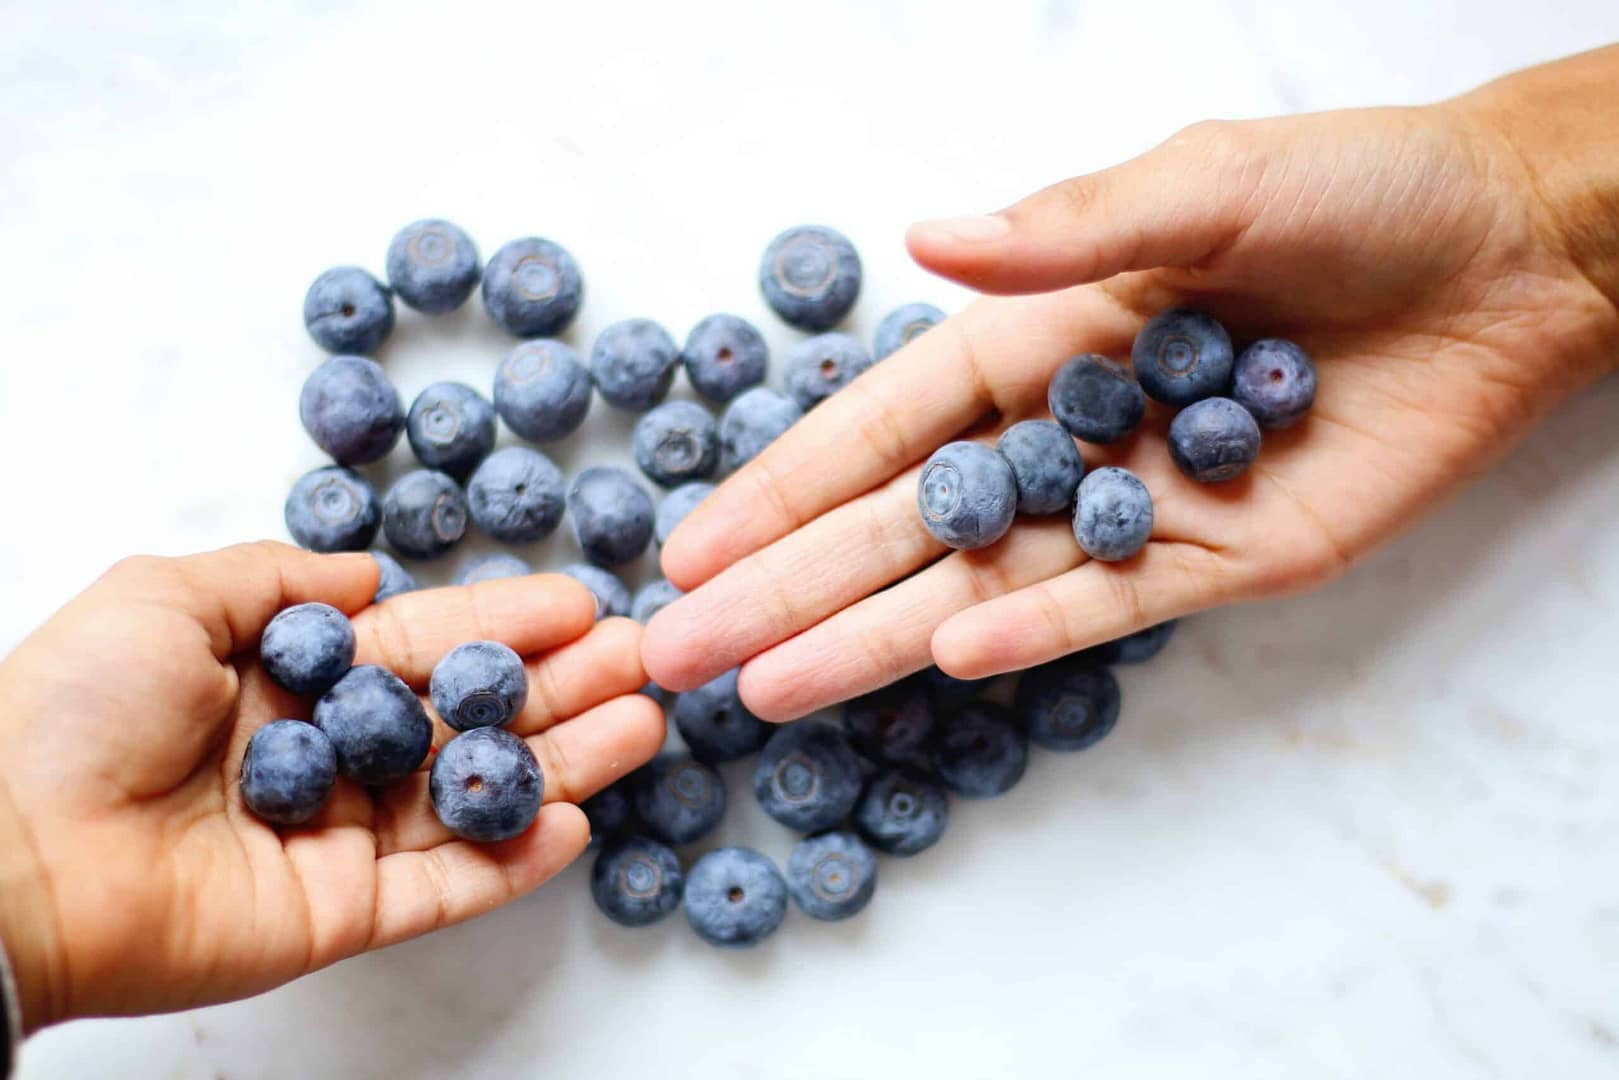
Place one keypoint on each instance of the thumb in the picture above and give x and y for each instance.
(1175, 205)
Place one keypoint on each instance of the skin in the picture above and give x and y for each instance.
(133, 879)
(1453, 269)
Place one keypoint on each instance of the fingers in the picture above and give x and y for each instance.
(1176, 205)
(602, 665)
(994, 356)
(411, 632)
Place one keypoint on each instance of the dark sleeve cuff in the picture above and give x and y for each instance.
(10, 1018)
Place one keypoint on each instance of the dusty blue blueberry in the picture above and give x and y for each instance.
(393, 580)
(424, 514)
(308, 647)
(893, 724)
(810, 276)
(516, 495)
(679, 799)
(818, 367)
(612, 595)
(982, 751)
(967, 495)
(673, 508)
(724, 355)
(433, 266)
(1113, 514)
(1275, 380)
(532, 288)
(1136, 648)
(1045, 463)
(735, 897)
(902, 325)
(486, 786)
(636, 881)
(479, 684)
(451, 428)
(1095, 399)
(1213, 440)
(903, 812)
(346, 310)
(542, 390)
(676, 442)
(609, 812)
(654, 691)
(831, 875)
(377, 725)
(1182, 356)
(287, 772)
(612, 515)
(714, 723)
(633, 362)
(332, 509)
(948, 691)
(807, 776)
(752, 422)
(351, 410)
(652, 598)
(1068, 704)
(492, 566)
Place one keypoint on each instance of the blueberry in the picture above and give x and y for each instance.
(451, 428)
(831, 875)
(424, 514)
(714, 723)
(724, 355)
(818, 367)
(494, 566)
(394, 579)
(532, 288)
(1095, 399)
(1113, 514)
(807, 777)
(542, 390)
(307, 648)
(902, 325)
(982, 752)
(351, 410)
(676, 442)
(653, 691)
(894, 724)
(633, 362)
(612, 595)
(612, 515)
(1275, 380)
(735, 897)
(948, 691)
(479, 684)
(1045, 463)
(516, 495)
(674, 507)
(636, 882)
(1068, 704)
(1136, 648)
(752, 422)
(810, 276)
(348, 311)
(1213, 440)
(967, 495)
(377, 725)
(608, 812)
(679, 799)
(903, 812)
(287, 772)
(433, 266)
(652, 598)
(332, 509)
(1182, 356)
(486, 785)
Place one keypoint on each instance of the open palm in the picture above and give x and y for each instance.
(123, 722)
(1401, 248)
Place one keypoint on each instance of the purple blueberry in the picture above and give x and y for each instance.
(723, 356)
(902, 326)
(542, 390)
(451, 428)
(735, 897)
(1182, 356)
(1213, 440)
(679, 799)
(807, 776)
(1068, 704)
(636, 881)
(633, 363)
(894, 724)
(433, 266)
(810, 276)
(346, 310)
(714, 723)
(1275, 380)
(831, 875)
(676, 442)
(308, 647)
(754, 420)
(424, 514)
(393, 580)
(1095, 399)
(612, 595)
(486, 786)
(1112, 515)
(532, 288)
(982, 752)
(479, 684)
(818, 367)
(332, 509)
(377, 726)
(351, 410)
(612, 515)
(652, 598)
(967, 495)
(287, 772)
(673, 508)
(903, 812)
(1045, 463)
(516, 495)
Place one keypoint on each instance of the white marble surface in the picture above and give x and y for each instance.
(1370, 832)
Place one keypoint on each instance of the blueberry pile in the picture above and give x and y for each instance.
(968, 494)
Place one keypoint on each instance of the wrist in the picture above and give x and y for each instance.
(27, 925)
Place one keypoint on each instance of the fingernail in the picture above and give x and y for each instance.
(976, 229)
